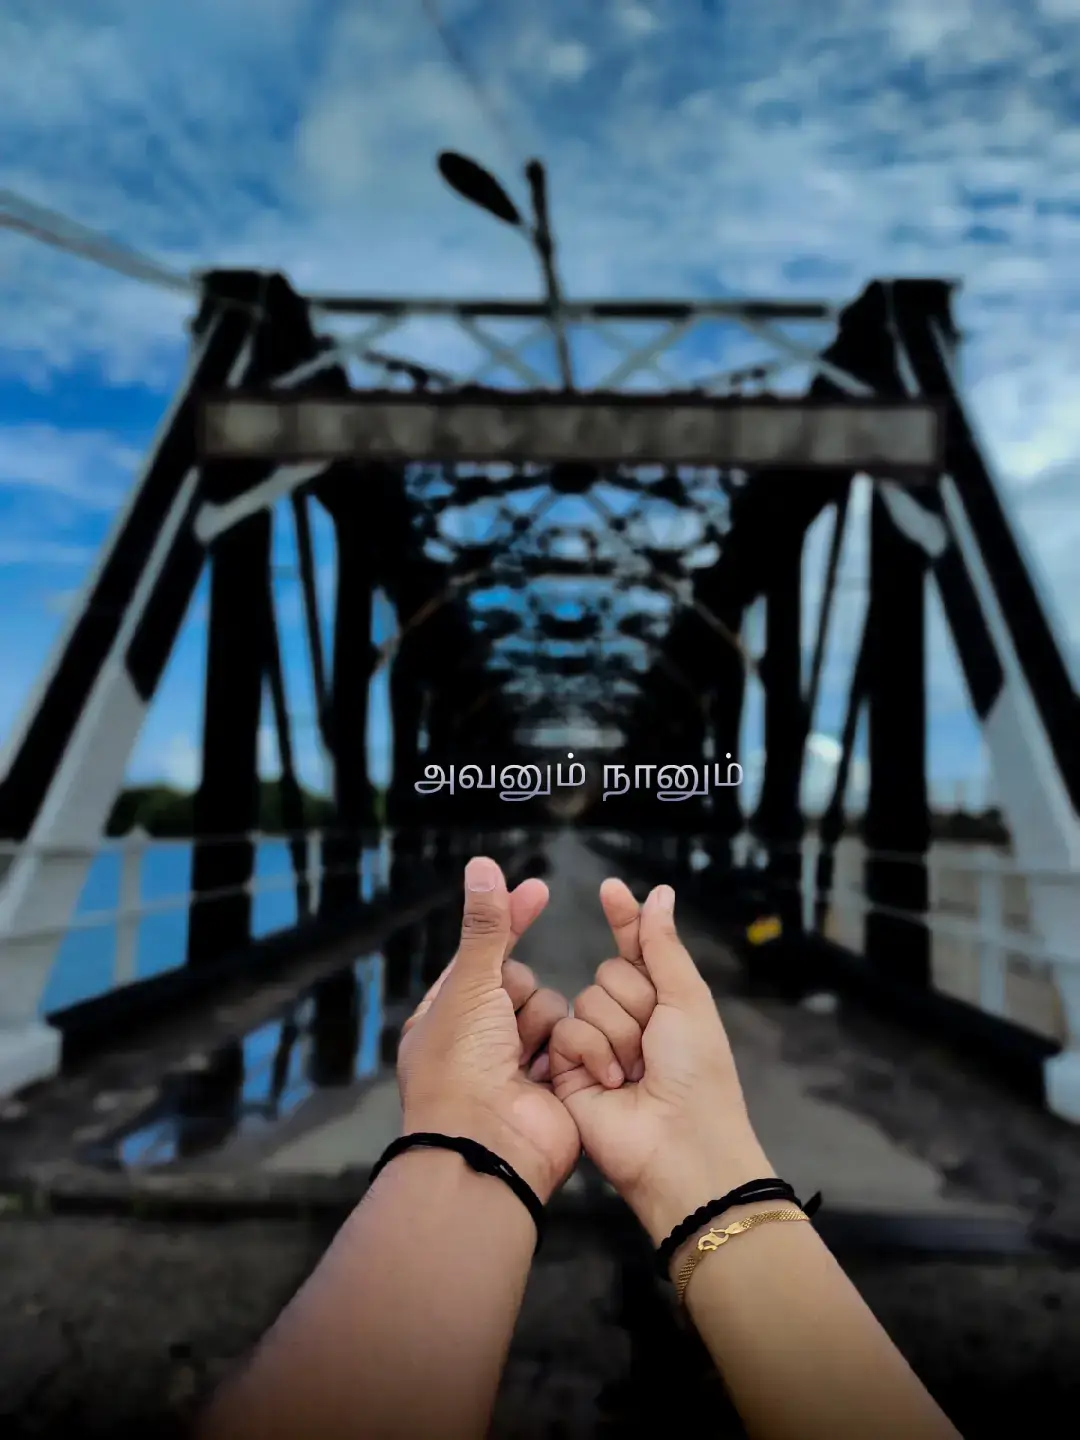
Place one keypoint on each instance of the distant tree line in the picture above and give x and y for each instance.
(163, 811)
(973, 827)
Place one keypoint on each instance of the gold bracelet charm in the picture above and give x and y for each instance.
(713, 1239)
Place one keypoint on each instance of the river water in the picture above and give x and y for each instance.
(272, 1070)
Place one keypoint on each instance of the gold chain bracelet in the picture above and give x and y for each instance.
(713, 1239)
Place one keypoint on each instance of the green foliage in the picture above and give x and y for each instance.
(985, 827)
(168, 813)
(158, 809)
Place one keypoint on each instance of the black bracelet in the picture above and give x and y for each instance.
(753, 1190)
(478, 1158)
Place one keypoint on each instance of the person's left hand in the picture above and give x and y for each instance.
(473, 1059)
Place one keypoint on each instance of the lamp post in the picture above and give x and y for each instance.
(477, 185)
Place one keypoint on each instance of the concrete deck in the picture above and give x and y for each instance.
(119, 1327)
(812, 1142)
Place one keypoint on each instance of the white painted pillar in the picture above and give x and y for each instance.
(30, 937)
(991, 918)
(1062, 1072)
(315, 868)
(1055, 907)
(127, 921)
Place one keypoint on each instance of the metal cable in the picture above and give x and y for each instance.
(501, 124)
(25, 217)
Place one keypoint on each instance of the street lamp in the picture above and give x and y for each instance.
(477, 185)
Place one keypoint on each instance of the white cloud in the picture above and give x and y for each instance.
(61, 602)
(823, 754)
(568, 61)
(93, 469)
(636, 20)
(39, 553)
(1060, 9)
(181, 763)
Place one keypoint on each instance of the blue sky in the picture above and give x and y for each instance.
(793, 147)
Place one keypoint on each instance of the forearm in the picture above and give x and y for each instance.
(801, 1354)
(403, 1329)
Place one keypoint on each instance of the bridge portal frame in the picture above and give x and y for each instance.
(895, 347)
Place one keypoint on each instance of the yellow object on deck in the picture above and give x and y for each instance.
(768, 927)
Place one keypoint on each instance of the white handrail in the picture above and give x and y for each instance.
(992, 939)
(131, 910)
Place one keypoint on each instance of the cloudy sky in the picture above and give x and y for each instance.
(697, 148)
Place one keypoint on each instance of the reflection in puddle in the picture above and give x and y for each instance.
(333, 1038)
(296, 1071)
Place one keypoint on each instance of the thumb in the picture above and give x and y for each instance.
(670, 967)
(485, 926)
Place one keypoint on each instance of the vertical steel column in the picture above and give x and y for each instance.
(209, 1103)
(686, 818)
(726, 709)
(353, 664)
(406, 709)
(404, 812)
(334, 1029)
(897, 816)
(226, 806)
(778, 822)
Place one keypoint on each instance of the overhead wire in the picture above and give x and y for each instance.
(49, 227)
(502, 125)
(26, 217)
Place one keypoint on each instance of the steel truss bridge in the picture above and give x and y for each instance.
(536, 638)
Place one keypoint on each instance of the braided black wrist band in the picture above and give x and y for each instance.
(752, 1191)
(478, 1158)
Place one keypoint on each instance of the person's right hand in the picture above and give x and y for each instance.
(677, 1133)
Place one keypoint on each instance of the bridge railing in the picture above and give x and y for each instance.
(101, 945)
(117, 929)
(127, 927)
(986, 948)
(985, 945)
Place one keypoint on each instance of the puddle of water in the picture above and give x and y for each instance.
(337, 1036)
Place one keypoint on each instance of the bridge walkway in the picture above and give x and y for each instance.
(801, 1104)
(109, 1323)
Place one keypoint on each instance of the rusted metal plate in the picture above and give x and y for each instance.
(599, 428)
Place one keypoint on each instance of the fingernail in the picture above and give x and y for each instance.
(638, 1071)
(615, 1075)
(481, 874)
(665, 899)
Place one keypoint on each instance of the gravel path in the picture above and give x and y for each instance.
(110, 1328)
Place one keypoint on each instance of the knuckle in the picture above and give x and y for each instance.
(609, 974)
(586, 1003)
(551, 1001)
(563, 1033)
(542, 1008)
(595, 1045)
(483, 920)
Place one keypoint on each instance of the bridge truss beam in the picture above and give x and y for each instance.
(269, 414)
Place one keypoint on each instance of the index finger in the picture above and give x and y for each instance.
(527, 900)
(623, 914)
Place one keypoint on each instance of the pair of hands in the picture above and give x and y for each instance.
(638, 1071)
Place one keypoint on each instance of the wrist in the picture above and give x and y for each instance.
(667, 1198)
(494, 1134)
(718, 1222)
